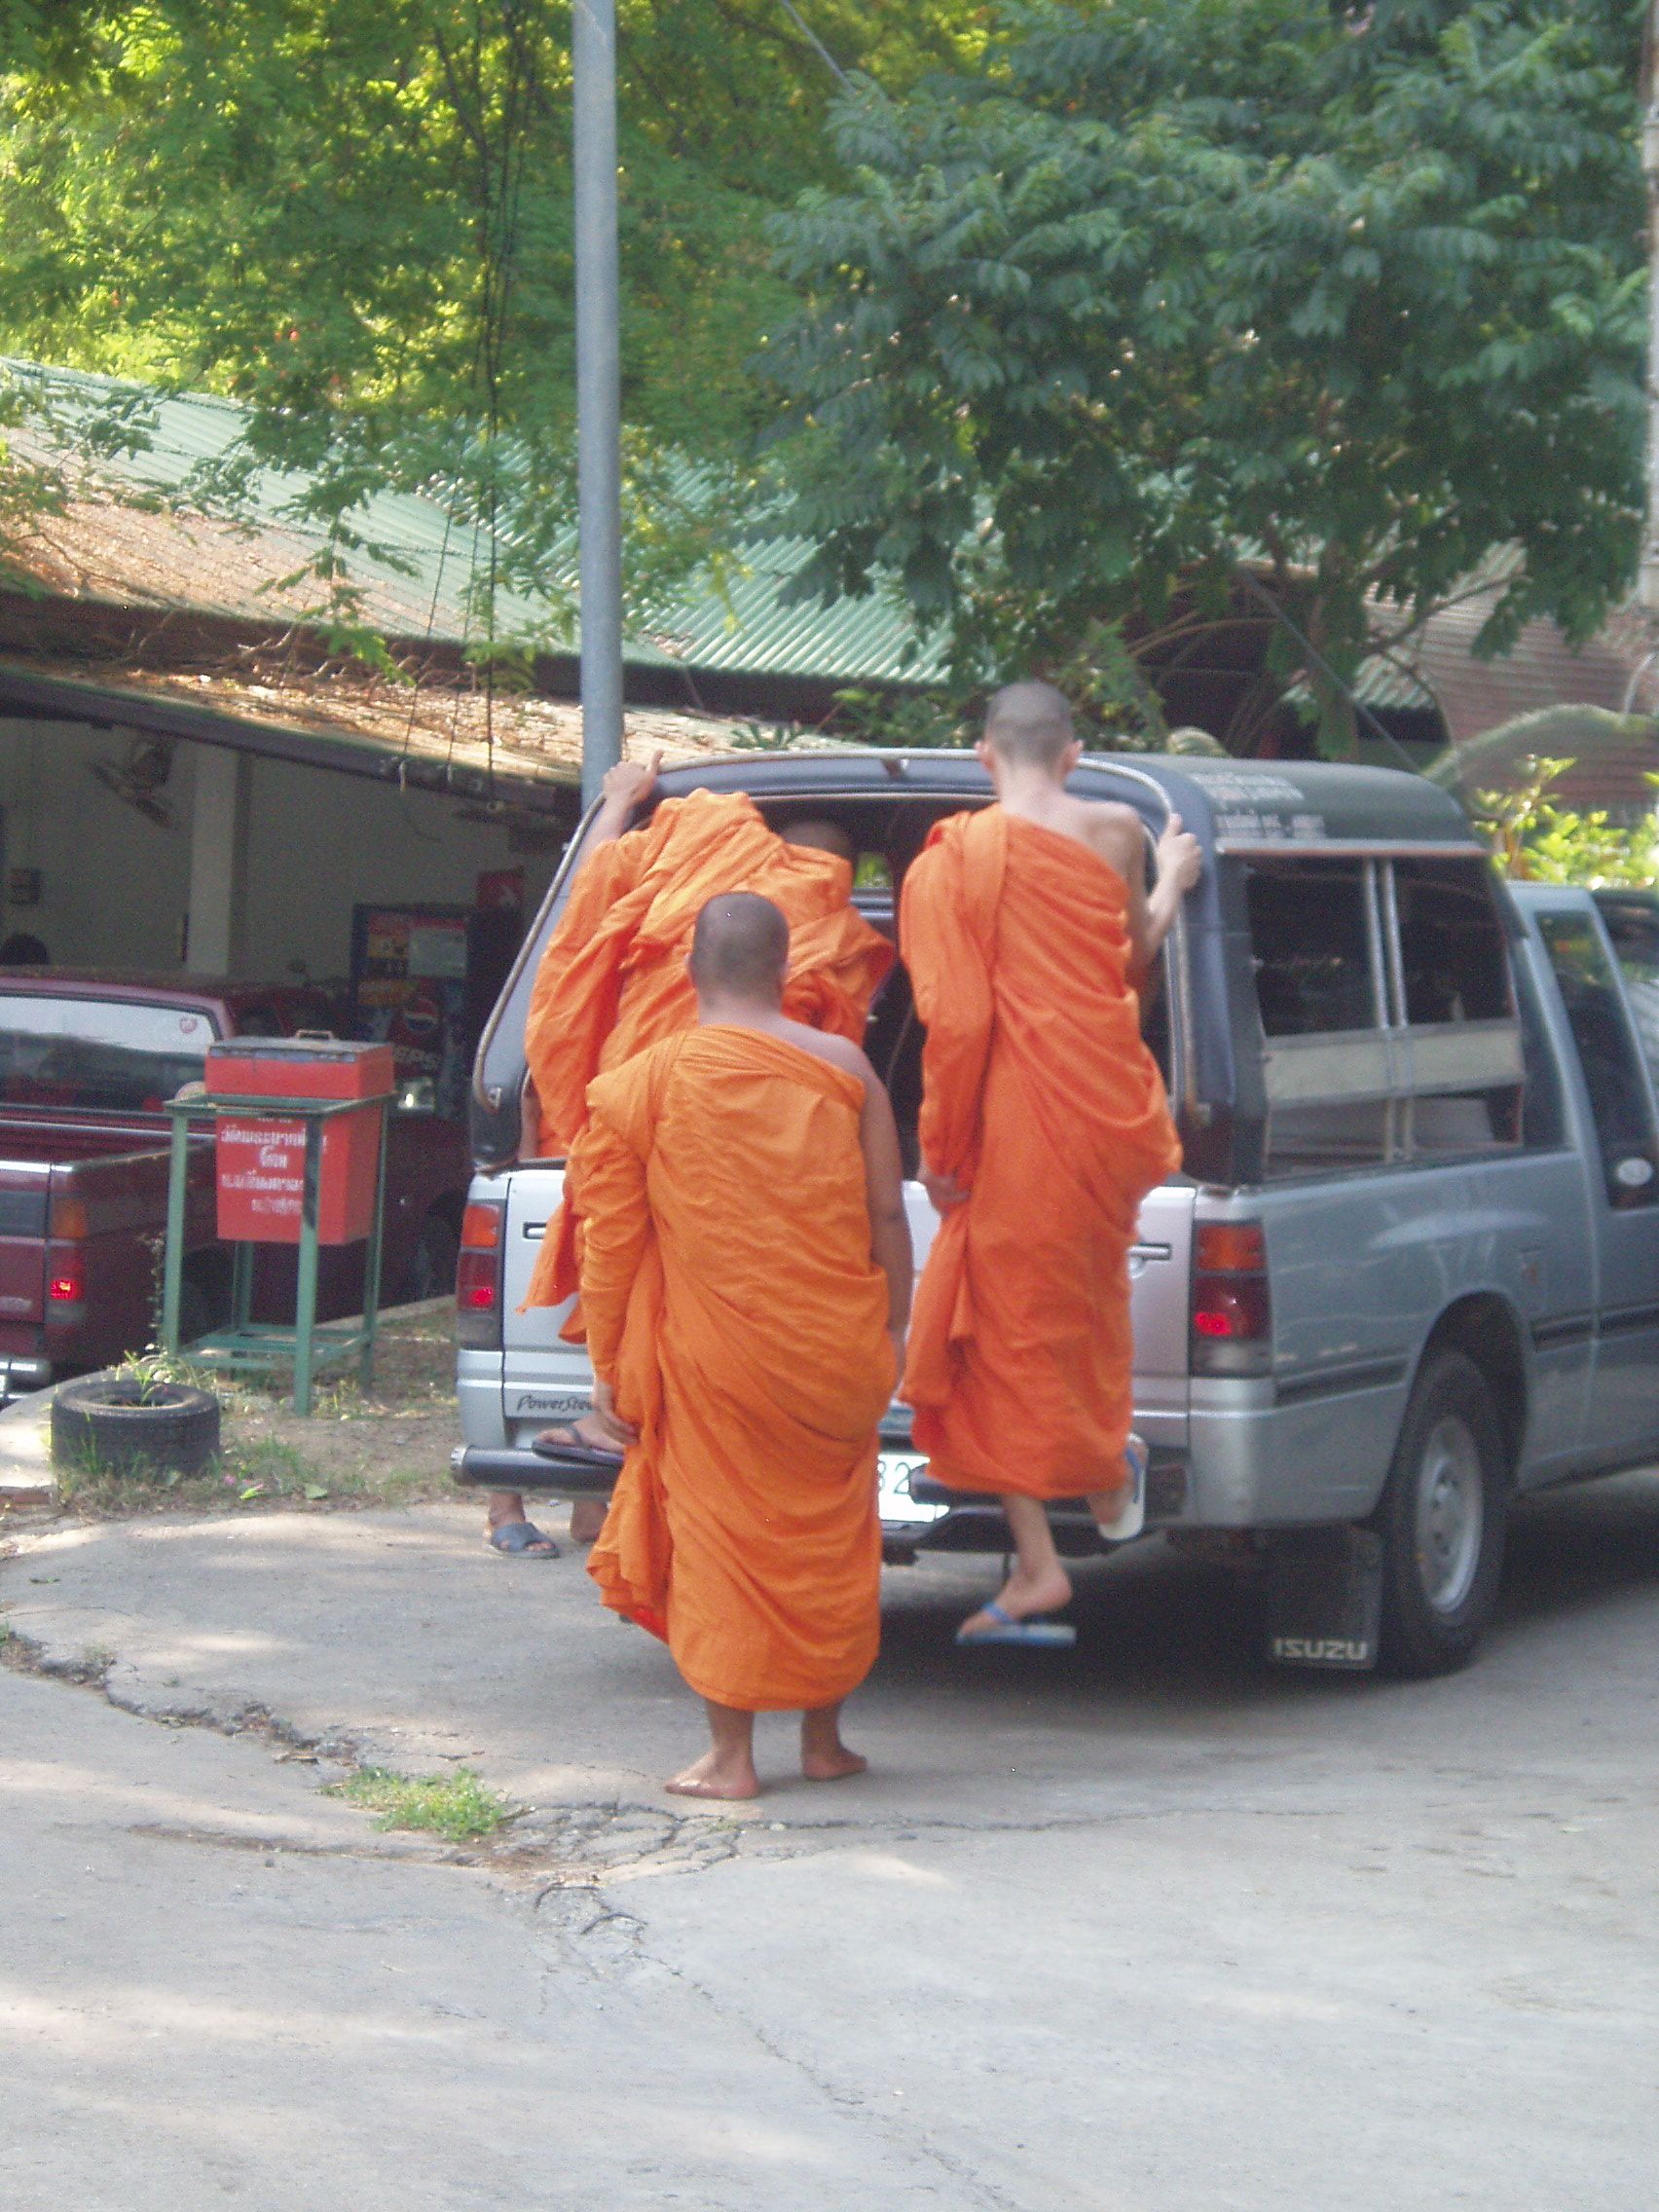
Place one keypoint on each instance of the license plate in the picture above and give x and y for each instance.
(894, 1471)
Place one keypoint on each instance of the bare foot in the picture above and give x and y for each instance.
(824, 1757)
(711, 1775)
(587, 1518)
(1024, 1596)
(589, 1432)
(832, 1766)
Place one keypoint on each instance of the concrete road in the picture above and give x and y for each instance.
(1142, 1924)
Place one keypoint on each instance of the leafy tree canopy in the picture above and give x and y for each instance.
(356, 220)
(1159, 285)
(1537, 838)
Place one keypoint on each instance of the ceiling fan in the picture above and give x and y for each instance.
(139, 777)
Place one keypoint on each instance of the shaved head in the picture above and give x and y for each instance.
(1029, 726)
(740, 948)
(823, 834)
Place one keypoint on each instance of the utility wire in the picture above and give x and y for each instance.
(815, 41)
(1259, 590)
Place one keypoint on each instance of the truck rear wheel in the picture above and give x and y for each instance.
(431, 1273)
(1442, 1521)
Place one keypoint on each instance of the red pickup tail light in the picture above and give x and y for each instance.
(67, 1228)
(478, 1278)
(69, 1220)
(1233, 1322)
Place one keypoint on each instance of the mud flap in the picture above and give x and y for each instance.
(1324, 1598)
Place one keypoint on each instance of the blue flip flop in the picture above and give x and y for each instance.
(1055, 1634)
(589, 1454)
(1130, 1516)
(521, 1540)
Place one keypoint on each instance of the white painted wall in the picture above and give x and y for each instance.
(215, 928)
(320, 842)
(115, 886)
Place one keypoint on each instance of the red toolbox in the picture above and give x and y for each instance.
(260, 1163)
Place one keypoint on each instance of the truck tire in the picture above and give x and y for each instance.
(1442, 1519)
(431, 1273)
(123, 1427)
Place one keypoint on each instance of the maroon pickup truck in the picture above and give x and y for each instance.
(86, 1063)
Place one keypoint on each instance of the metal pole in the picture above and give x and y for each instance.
(172, 1262)
(372, 1259)
(1647, 574)
(305, 1299)
(599, 387)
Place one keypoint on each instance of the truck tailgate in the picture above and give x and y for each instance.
(1161, 1273)
(545, 1379)
(542, 1379)
(24, 1200)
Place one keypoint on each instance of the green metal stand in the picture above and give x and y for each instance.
(254, 1344)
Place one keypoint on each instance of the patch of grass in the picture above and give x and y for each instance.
(148, 1368)
(339, 1401)
(391, 1485)
(263, 1466)
(262, 1470)
(455, 1805)
(390, 1448)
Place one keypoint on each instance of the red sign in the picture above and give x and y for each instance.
(261, 1163)
(501, 888)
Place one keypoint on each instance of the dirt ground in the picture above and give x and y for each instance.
(386, 1446)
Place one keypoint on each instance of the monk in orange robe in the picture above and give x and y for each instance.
(613, 976)
(1028, 930)
(746, 1277)
(612, 979)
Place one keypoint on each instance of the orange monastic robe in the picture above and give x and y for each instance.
(1040, 1095)
(613, 979)
(732, 1302)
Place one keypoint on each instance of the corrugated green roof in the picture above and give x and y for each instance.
(220, 569)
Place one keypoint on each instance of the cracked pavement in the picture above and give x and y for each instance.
(1141, 1924)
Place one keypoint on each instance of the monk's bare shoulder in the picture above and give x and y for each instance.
(837, 1050)
(1112, 829)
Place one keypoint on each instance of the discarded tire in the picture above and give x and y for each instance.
(129, 1427)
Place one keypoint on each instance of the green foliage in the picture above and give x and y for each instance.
(356, 220)
(49, 37)
(1540, 841)
(1115, 706)
(1160, 288)
(904, 722)
(455, 1805)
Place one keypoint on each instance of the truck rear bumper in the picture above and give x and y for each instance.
(481, 1466)
(18, 1377)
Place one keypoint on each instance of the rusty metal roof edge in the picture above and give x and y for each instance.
(343, 750)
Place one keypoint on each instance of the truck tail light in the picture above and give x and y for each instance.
(1233, 1322)
(69, 1219)
(478, 1278)
(66, 1263)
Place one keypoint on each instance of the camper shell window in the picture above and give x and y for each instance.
(1387, 1011)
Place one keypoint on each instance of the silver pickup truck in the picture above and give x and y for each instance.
(1411, 1267)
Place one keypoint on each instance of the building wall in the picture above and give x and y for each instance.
(115, 886)
(319, 844)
